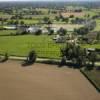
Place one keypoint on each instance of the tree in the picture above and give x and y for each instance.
(2, 22)
(31, 58)
(75, 53)
(57, 18)
(46, 19)
(22, 23)
(66, 19)
(51, 31)
(92, 57)
(16, 23)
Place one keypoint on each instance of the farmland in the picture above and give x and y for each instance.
(43, 44)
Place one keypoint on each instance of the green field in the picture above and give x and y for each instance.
(91, 46)
(98, 25)
(21, 45)
(43, 44)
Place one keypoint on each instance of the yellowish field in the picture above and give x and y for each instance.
(67, 26)
(67, 14)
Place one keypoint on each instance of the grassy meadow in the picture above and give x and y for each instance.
(7, 32)
(21, 45)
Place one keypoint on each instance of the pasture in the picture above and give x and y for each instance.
(91, 45)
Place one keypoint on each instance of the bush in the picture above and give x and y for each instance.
(71, 16)
(31, 58)
(51, 32)
(39, 32)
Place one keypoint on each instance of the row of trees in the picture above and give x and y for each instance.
(78, 21)
(79, 56)
(16, 22)
(62, 18)
(86, 29)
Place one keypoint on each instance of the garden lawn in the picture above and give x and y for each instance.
(21, 45)
(30, 21)
(94, 76)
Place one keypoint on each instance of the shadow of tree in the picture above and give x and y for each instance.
(4, 59)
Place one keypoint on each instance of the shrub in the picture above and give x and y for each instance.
(39, 32)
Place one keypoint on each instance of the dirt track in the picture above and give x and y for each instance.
(43, 82)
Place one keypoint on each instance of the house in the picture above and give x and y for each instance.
(56, 37)
(44, 30)
(33, 29)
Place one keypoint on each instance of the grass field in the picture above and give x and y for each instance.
(7, 32)
(98, 25)
(21, 45)
(91, 46)
(94, 76)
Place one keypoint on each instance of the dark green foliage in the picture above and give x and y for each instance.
(71, 16)
(31, 58)
(57, 18)
(92, 58)
(78, 55)
(62, 31)
(46, 19)
(63, 61)
(22, 23)
(82, 31)
(78, 21)
(39, 32)
(51, 32)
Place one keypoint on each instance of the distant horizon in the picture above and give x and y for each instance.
(49, 0)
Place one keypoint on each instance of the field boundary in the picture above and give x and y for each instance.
(90, 80)
(39, 60)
